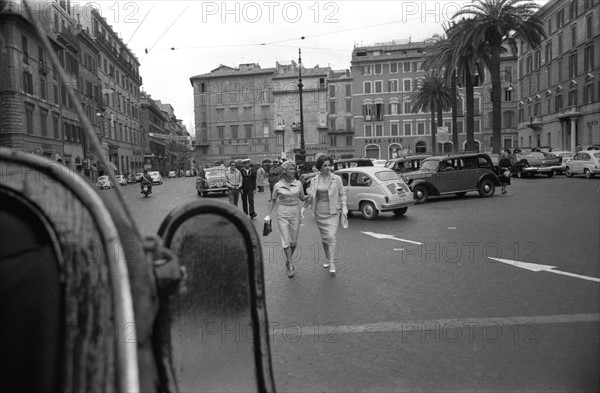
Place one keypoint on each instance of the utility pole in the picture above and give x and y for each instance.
(302, 147)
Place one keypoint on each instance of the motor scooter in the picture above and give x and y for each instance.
(146, 190)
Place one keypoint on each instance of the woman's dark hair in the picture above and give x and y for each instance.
(321, 160)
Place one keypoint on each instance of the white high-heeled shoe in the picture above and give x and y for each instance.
(332, 268)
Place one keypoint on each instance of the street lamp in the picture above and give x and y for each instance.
(302, 147)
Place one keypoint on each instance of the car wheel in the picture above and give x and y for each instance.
(461, 194)
(204, 194)
(551, 173)
(421, 194)
(568, 172)
(368, 210)
(400, 212)
(487, 188)
(588, 174)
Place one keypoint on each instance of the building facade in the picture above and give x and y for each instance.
(385, 77)
(559, 83)
(340, 130)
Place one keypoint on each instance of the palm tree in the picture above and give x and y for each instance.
(492, 22)
(466, 58)
(432, 96)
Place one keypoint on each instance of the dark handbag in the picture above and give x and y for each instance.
(267, 228)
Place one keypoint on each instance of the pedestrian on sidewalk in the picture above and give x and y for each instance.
(288, 195)
(274, 176)
(327, 195)
(248, 189)
(260, 178)
(233, 182)
(504, 165)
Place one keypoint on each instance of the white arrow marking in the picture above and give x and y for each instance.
(391, 237)
(534, 267)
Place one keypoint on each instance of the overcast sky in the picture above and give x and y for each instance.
(205, 34)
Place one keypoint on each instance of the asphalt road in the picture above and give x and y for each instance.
(425, 308)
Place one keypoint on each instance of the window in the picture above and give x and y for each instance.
(368, 110)
(588, 94)
(29, 118)
(393, 85)
(332, 126)
(234, 132)
(394, 108)
(420, 128)
(560, 19)
(573, 10)
(378, 111)
(367, 87)
(407, 66)
(349, 124)
(393, 68)
(459, 127)
(332, 141)
(322, 138)
(573, 65)
(332, 91)
(573, 97)
(574, 35)
(348, 106)
(367, 70)
(378, 86)
(348, 90)
(360, 180)
(407, 107)
(588, 26)
(378, 69)
(507, 94)
(248, 131)
(558, 103)
(548, 52)
(27, 82)
(332, 107)
(25, 49)
(221, 132)
(407, 129)
(407, 84)
(368, 130)
(348, 140)
(55, 125)
(588, 58)
(266, 130)
(379, 129)
(560, 44)
(44, 122)
(394, 128)
(279, 139)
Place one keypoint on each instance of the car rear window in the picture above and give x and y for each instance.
(387, 176)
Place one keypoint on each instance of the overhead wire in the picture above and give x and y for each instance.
(165, 32)
(138, 27)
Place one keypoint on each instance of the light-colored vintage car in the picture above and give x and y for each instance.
(373, 189)
(214, 181)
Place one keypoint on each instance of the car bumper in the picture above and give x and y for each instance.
(393, 206)
(539, 169)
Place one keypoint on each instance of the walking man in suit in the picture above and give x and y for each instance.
(248, 188)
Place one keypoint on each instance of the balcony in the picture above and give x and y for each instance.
(296, 126)
(280, 127)
(535, 123)
(571, 111)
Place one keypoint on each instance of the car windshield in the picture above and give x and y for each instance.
(387, 176)
(215, 172)
(429, 166)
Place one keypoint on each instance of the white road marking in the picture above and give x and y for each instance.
(391, 237)
(398, 249)
(433, 324)
(535, 267)
(451, 227)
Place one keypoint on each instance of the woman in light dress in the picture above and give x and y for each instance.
(327, 195)
(288, 195)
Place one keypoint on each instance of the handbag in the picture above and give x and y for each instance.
(267, 228)
(344, 221)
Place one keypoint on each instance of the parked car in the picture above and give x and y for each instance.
(351, 163)
(121, 180)
(104, 182)
(534, 162)
(214, 181)
(563, 158)
(371, 190)
(155, 176)
(380, 163)
(130, 178)
(454, 174)
(406, 164)
(172, 174)
(585, 162)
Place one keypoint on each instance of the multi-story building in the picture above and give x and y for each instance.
(233, 110)
(37, 114)
(340, 139)
(385, 77)
(153, 121)
(559, 83)
(120, 81)
(287, 110)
